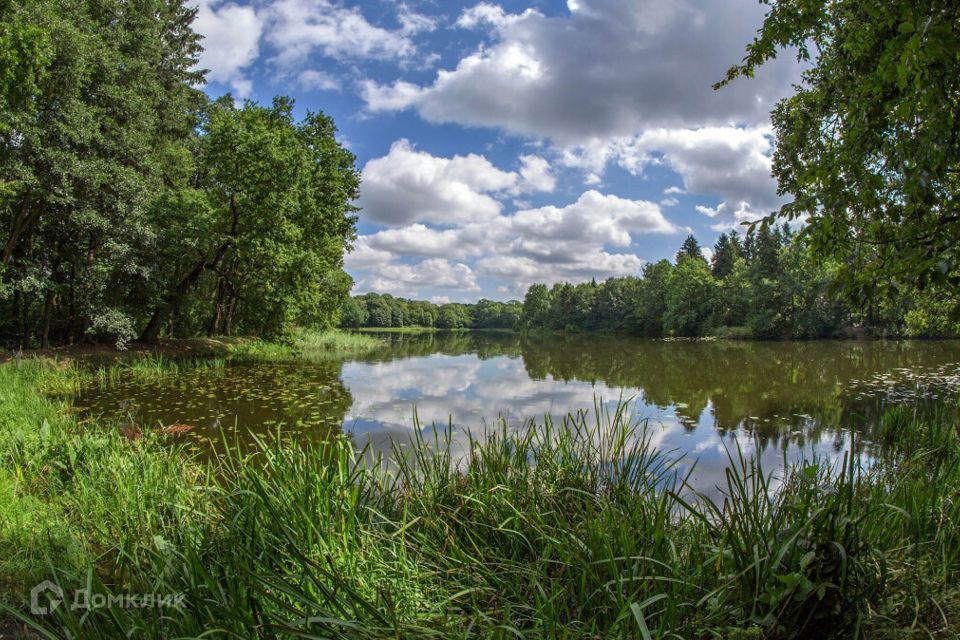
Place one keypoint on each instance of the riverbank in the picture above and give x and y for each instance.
(303, 343)
(723, 334)
(579, 530)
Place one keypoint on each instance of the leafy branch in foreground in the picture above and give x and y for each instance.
(869, 146)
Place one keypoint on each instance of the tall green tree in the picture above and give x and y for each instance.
(691, 294)
(80, 144)
(725, 253)
(267, 216)
(690, 249)
(869, 147)
(650, 301)
(353, 314)
(536, 307)
(26, 48)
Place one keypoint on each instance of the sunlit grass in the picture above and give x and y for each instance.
(73, 495)
(335, 341)
(305, 345)
(410, 330)
(63, 377)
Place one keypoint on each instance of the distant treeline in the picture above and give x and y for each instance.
(761, 284)
(386, 311)
(764, 284)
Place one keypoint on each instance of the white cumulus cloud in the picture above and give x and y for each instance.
(231, 42)
(408, 185)
(610, 68)
(299, 28)
(553, 243)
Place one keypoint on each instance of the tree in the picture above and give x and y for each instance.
(353, 314)
(26, 48)
(869, 147)
(82, 144)
(454, 316)
(690, 249)
(691, 290)
(725, 254)
(536, 308)
(379, 312)
(267, 215)
(650, 302)
(811, 305)
(734, 296)
(765, 255)
(613, 304)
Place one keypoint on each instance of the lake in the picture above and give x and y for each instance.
(779, 400)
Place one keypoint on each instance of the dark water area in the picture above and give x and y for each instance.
(777, 400)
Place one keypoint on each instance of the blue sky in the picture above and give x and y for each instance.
(508, 143)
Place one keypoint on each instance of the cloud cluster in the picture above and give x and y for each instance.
(298, 28)
(732, 163)
(617, 82)
(295, 31)
(608, 69)
(407, 188)
(434, 273)
(408, 185)
(231, 42)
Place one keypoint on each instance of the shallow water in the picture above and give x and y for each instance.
(774, 399)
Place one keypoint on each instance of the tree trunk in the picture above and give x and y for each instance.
(228, 325)
(22, 224)
(214, 325)
(152, 331)
(170, 320)
(25, 324)
(47, 307)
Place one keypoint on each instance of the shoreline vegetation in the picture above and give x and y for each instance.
(302, 344)
(766, 286)
(580, 530)
(70, 368)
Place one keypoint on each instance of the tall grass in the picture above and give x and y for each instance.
(305, 345)
(73, 496)
(61, 378)
(577, 529)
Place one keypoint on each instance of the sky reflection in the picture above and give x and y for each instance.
(780, 401)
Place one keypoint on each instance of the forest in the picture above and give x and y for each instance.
(764, 283)
(386, 311)
(132, 206)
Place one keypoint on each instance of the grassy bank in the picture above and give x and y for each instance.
(579, 530)
(305, 345)
(418, 329)
(408, 330)
(68, 369)
(302, 344)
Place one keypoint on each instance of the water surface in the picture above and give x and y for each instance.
(699, 399)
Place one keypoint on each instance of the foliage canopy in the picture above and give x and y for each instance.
(869, 146)
(129, 205)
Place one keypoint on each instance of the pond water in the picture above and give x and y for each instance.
(775, 399)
